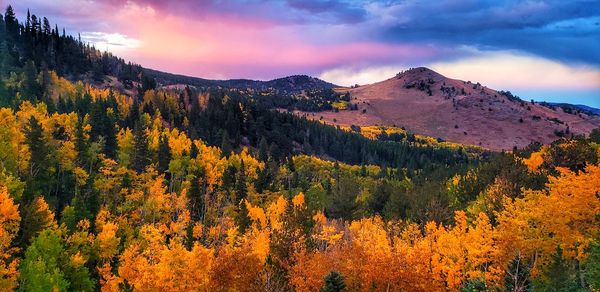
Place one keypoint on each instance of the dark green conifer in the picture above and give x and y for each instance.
(334, 282)
(164, 154)
(140, 149)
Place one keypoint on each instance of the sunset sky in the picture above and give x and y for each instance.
(544, 50)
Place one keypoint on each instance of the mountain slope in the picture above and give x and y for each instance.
(574, 107)
(593, 110)
(426, 102)
(289, 84)
(285, 85)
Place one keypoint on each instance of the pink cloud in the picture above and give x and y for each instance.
(221, 43)
(216, 46)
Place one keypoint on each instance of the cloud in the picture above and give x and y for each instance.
(288, 12)
(445, 16)
(112, 42)
(546, 28)
(347, 76)
(516, 71)
(337, 10)
(502, 70)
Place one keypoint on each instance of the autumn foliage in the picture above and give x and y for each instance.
(151, 188)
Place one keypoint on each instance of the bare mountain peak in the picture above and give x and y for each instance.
(429, 103)
(419, 72)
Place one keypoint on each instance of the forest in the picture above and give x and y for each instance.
(207, 188)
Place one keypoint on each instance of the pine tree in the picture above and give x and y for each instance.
(36, 218)
(81, 143)
(134, 113)
(2, 27)
(226, 147)
(140, 157)
(97, 120)
(196, 196)
(29, 87)
(8, 61)
(595, 135)
(229, 177)
(474, 285)
(342, 201)
(274, 151)
(12, 25)
(379, 198)
(28, 22)
(110, 136)
(240, 188)
(164, 154)
(46, 28)
(34, 25)
(290, 164)
(263, 150)
(559, 275)
(262, 182)
(592, 264)
(38, 162)
(194, 151)
(242, 220)
(334, 282)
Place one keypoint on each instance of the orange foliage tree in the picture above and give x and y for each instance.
(9, 226)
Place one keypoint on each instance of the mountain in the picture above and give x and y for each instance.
(593, 110)
(426, 102)
(574, 107)
(286, 85)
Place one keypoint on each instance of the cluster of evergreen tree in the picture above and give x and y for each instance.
(34, 43)
(315, 100)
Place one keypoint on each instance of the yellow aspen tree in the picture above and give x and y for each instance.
(9, 227)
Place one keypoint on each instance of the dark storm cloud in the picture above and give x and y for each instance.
(561, 30)
(280, 12)
(341, 11)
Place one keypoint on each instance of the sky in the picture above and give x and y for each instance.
(542, 50)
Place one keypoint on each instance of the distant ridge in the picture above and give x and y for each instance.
(567, 106)
(285, 85)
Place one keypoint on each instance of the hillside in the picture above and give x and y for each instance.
(426, 102)
(284, 85)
